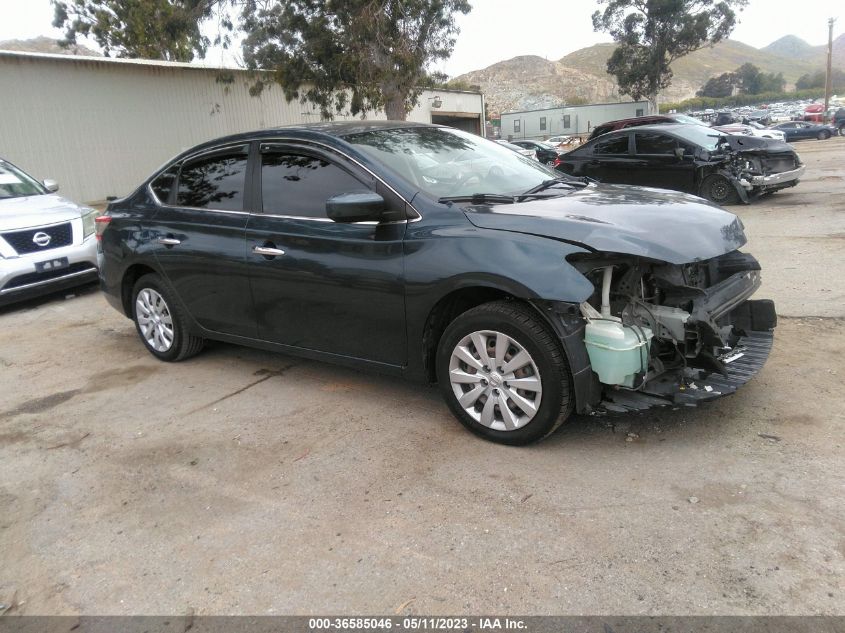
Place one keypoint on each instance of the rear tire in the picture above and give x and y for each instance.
(160, 322)
(716, 188)
(517, 390)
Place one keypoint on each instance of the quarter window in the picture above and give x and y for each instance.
(163, 184)
(654, 144)
(294, 184)
(214, 182)
(615, 145)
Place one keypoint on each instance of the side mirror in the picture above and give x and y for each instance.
(679, 153)
(51, 185)
(356, 206)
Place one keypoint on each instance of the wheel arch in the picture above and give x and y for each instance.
(459, 300)
(131, 275)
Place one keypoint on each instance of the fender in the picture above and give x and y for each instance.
(527, 267)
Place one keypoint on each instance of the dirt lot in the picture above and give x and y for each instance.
(245, 482)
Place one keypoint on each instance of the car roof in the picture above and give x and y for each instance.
(661, 127)
(326, 130)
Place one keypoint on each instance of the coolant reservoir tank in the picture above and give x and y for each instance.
(618, 353)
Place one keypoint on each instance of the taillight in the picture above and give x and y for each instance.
(557, 162)
(100, 224)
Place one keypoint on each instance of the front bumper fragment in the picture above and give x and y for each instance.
(779, 178)
(691, 387)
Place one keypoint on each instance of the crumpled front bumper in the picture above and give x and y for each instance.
(777, 179)
(690, 387)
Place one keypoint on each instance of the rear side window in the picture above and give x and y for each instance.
(162, 186)
(214, 182)
(653, 143)
(295, 184)
(616, 145)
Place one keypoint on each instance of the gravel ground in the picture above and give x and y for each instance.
(245, 482)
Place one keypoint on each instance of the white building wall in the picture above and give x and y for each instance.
(582, 119)
(101, 126)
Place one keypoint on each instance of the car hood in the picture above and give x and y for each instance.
(757, 144)
(663, 225)
(32, 211)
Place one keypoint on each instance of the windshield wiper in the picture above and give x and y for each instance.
(480, 198)
(548, 184)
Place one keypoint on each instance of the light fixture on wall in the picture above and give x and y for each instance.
(436, 101)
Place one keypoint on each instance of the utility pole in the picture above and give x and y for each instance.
(828, 80)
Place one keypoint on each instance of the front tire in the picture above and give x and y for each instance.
(160, 322)
(716, 188)
(824, 135)
(503, 374)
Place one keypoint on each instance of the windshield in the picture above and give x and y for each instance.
(706, 137)
(683, 118)
(444, 162)
(15, 184)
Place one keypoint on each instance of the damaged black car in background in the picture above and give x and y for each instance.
(722, 168)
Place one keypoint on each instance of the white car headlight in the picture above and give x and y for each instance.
(88, 216)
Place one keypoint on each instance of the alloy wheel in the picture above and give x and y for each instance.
(154, 319)
(495, 380)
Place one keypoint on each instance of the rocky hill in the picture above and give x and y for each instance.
(46, 45)
(530, 82)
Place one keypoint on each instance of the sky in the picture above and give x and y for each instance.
(500, 29)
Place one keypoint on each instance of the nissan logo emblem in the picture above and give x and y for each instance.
(41, 238)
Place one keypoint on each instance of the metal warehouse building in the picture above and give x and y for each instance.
(99, 126)
(567, 120)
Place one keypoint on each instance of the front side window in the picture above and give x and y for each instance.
(617, 145)
(215, 181)
(653, 143)
(16, 184)
(299, 185)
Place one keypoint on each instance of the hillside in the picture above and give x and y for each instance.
(46, 45)
(795, 48)
(530, 82)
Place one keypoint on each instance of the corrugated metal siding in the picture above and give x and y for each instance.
(100, 128)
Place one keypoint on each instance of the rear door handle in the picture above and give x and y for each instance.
(267, 251)
(169, 241)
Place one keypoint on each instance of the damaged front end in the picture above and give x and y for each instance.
(756, 166)
(661, 334)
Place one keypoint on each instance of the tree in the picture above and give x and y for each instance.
(356, 54)
(341, 55)
(817, 80)
(745, 80)
(149, 29)
(651, 34)
(721, 86)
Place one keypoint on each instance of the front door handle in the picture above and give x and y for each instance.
(267, 251)
(169, 241)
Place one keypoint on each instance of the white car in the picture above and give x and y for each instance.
(528, 153)
(752, 130)
(47, 242)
